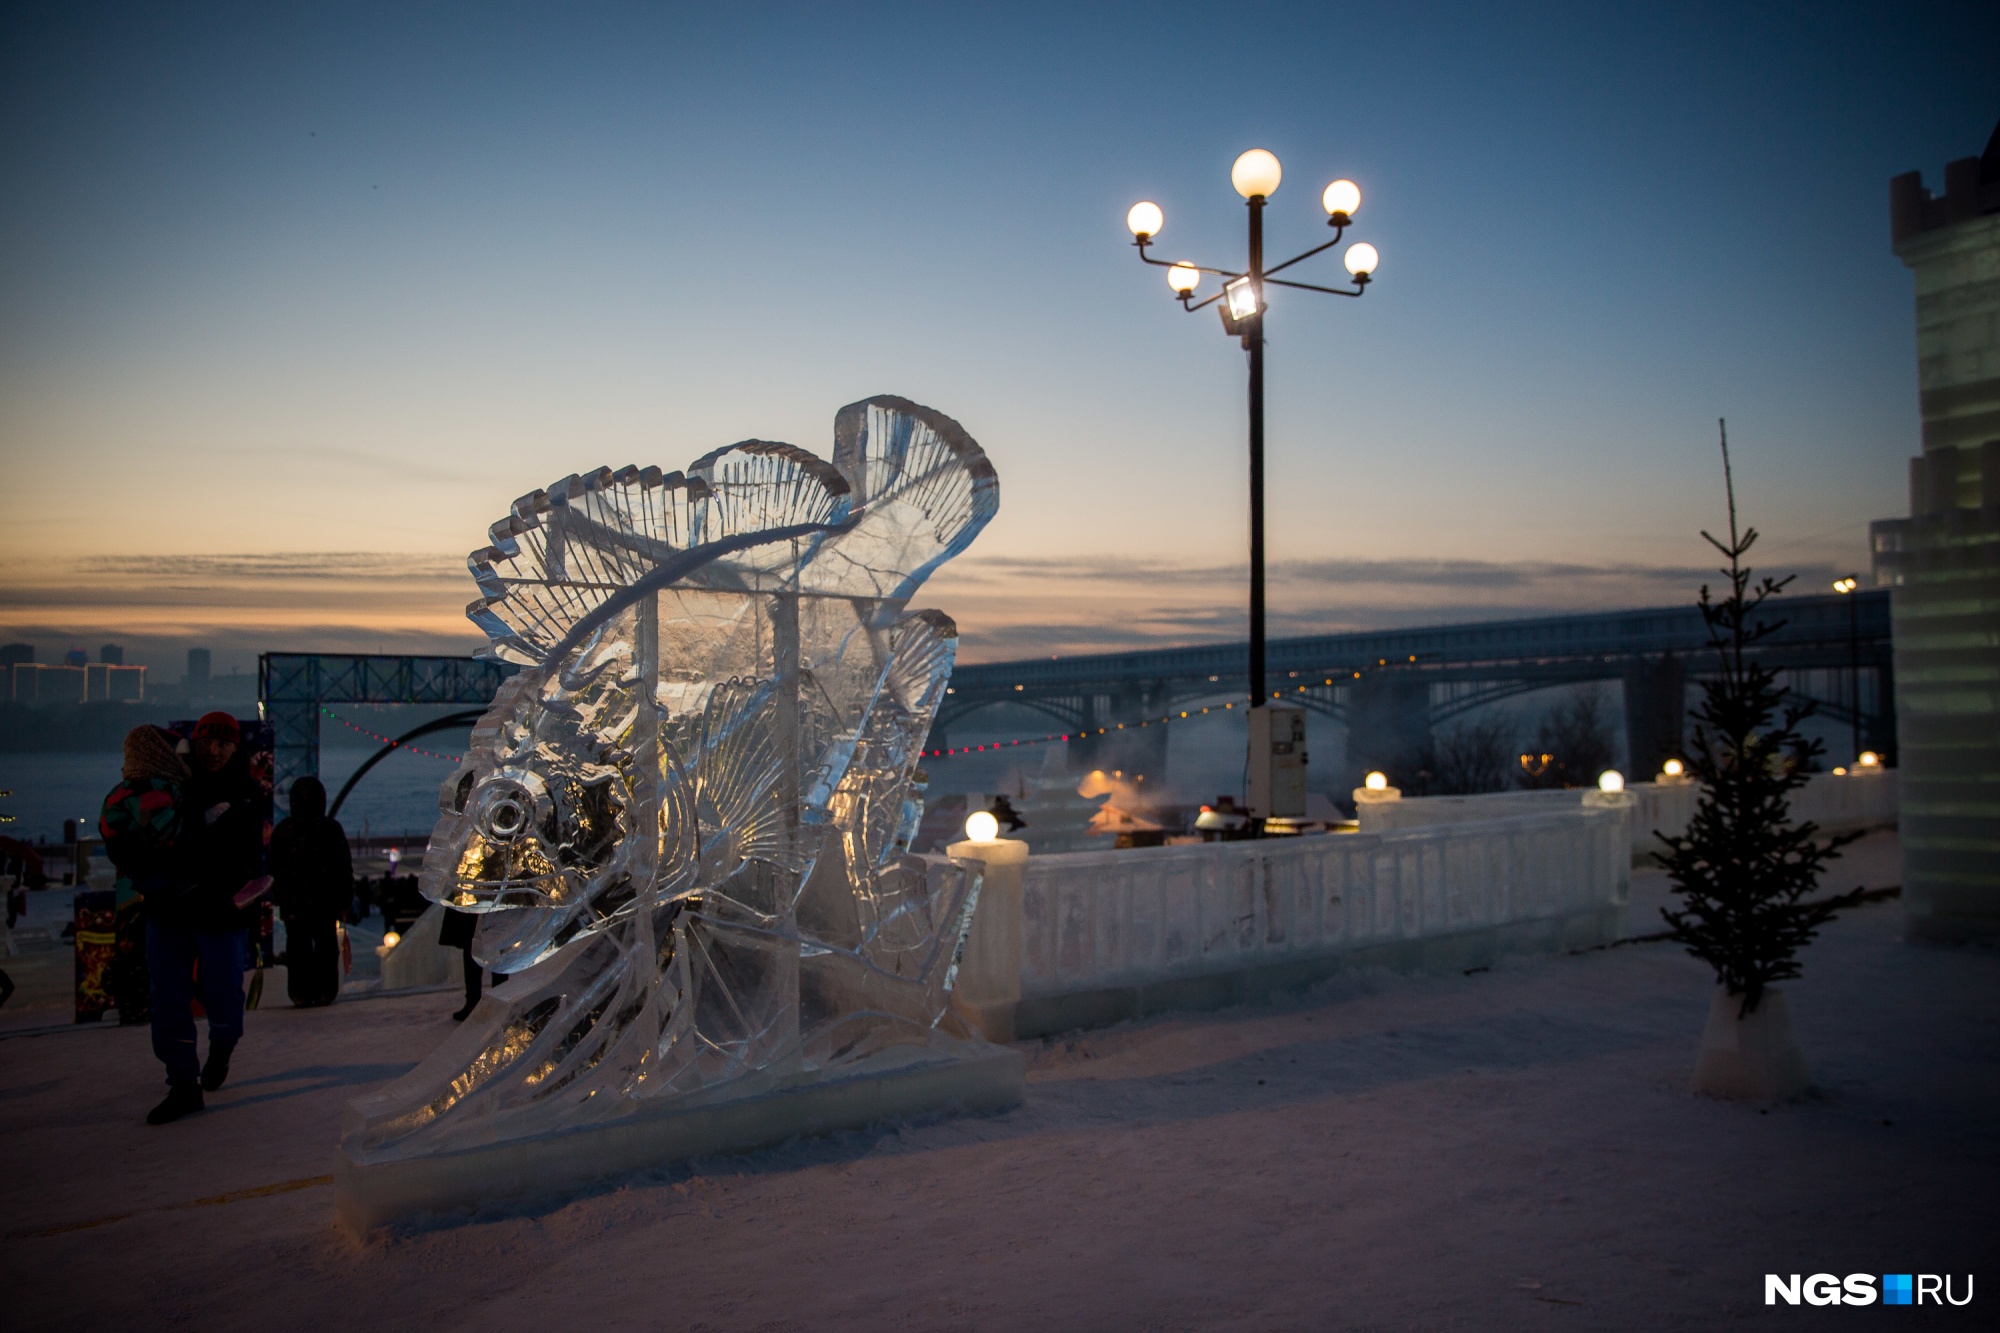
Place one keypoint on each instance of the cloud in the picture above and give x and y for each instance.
(239, 604)
(280, 565)
(1005, 606)
(333, 457)
(1453, 573)
(1012, 606)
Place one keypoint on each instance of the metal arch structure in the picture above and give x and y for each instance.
(292, 688)
(451, 722)
(1834, 649)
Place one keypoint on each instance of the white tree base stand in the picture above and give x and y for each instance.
(1755, 1059)
(375, 1189)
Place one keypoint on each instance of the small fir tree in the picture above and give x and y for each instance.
(1742, 869)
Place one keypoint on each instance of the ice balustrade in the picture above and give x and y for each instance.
(1088, 921)
(1835, 802)
(684, 824)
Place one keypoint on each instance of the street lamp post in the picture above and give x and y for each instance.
(1256, 175)
(1848, 586)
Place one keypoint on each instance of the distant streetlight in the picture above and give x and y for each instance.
(1256, 175)
(1848, 585)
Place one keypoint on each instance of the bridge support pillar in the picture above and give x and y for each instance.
(1878, 727)
(1080, 753)
(1655, 714)
(1388, 726)
(1136, 751)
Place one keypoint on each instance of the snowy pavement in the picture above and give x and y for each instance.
(1511, 1149)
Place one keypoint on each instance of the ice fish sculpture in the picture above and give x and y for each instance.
(685, 823)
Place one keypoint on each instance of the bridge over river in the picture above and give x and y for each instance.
(1392, 687)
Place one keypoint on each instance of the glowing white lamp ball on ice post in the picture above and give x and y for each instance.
(1375, 789)
(981, 826)
(1610, 793)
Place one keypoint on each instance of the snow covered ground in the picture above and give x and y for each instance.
(1511, 1149)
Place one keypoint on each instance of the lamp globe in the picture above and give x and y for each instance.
(1145, 220)
(1256, 173)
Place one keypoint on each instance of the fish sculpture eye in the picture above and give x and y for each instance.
(510, 803)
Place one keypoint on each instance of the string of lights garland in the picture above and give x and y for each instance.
(1105, 730)
(388, 740)
(1069, 736)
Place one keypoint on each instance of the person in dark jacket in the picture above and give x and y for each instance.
(312, 881)
(196, 934)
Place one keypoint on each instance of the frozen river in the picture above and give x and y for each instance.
(399, 795)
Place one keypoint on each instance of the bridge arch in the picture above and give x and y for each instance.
(1834, 649)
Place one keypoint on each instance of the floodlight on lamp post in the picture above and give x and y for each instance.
(1848, 586)
(1256, 176)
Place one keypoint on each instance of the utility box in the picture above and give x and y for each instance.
(1277, 762)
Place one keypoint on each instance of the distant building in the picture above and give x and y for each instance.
(199, 663)
(32, 683)
(111, 654)
(76, 657)
(10, 653)
(107, 682)
(1940, 562)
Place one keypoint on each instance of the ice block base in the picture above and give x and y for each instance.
(377, 1190)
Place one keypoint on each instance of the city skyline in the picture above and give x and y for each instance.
(300, 303)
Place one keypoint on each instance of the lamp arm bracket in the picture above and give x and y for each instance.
(1308, 287)
(1177, 263)
(1278, 268)
(1202, 305)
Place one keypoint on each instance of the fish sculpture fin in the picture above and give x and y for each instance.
(562, 552)
(923, 489)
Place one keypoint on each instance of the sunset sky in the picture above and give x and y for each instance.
(296, 301)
